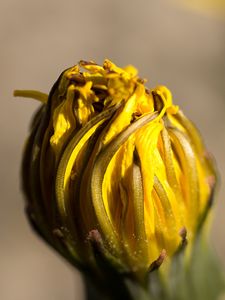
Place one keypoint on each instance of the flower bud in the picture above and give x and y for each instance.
(115, 168)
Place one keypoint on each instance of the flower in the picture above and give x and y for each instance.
(114, 166)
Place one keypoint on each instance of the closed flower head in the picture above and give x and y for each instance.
(114, 167)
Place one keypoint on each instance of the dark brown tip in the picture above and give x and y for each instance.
(58, 233)
(94, 235)
(183, 235)
(157, 263)
(83, 63)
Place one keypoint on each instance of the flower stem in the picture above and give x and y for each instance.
(114, 290)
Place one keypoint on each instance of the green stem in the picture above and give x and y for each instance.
(115, 290)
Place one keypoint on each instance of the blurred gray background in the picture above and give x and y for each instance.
(169, 44)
